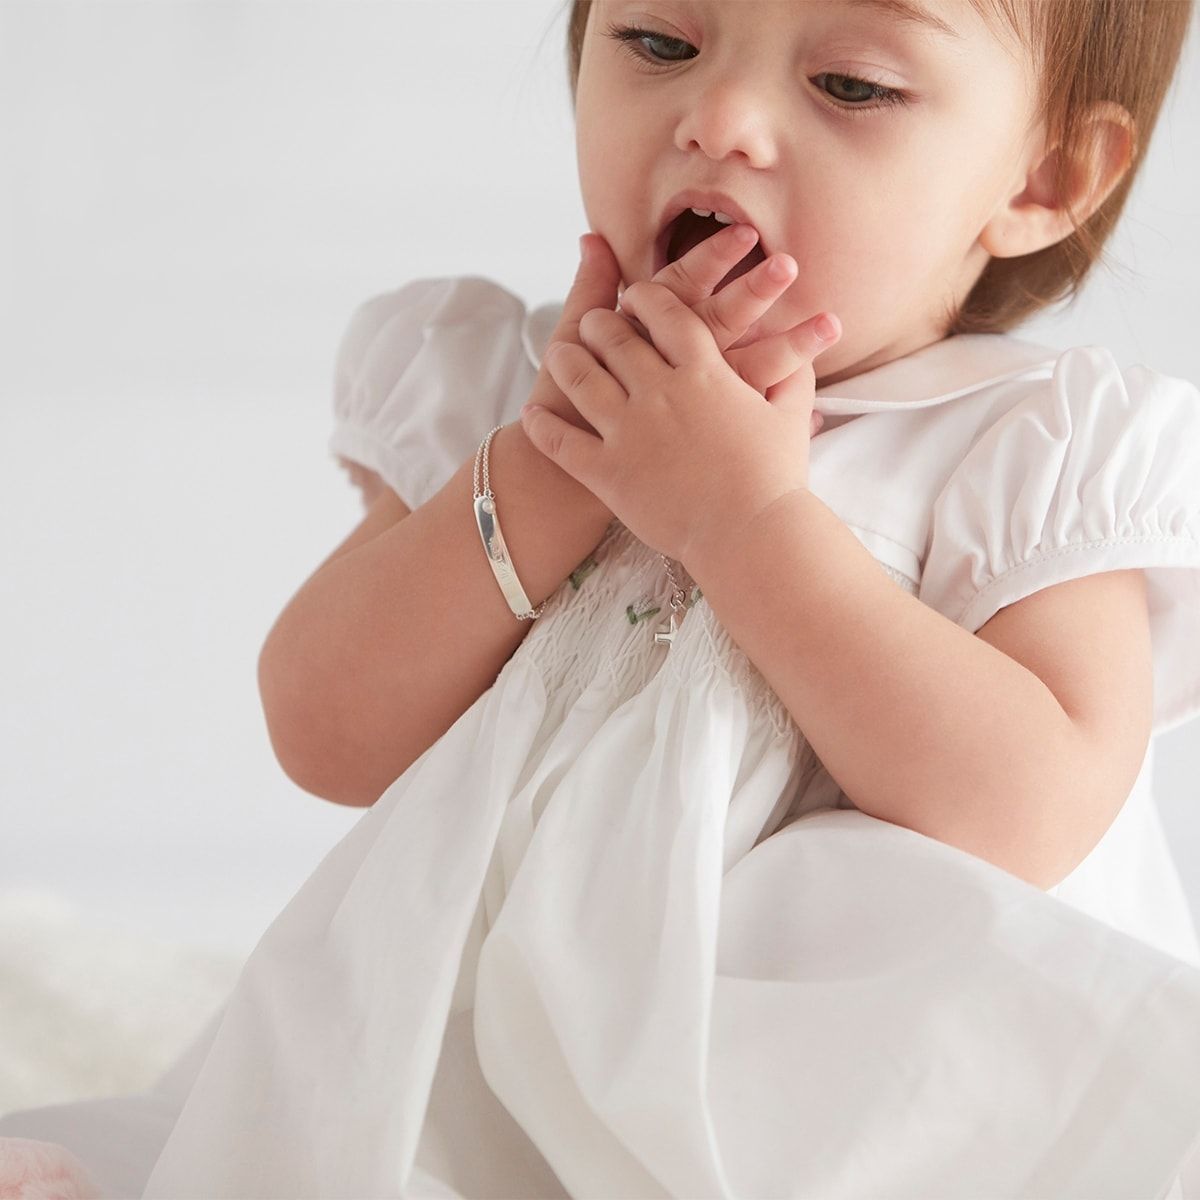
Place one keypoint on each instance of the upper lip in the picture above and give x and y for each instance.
(720, 202)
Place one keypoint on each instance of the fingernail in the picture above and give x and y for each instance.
(828, 327)
(583, 248)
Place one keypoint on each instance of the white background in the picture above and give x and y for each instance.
(195, 197)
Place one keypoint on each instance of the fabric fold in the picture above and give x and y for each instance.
(318, 1077)
(860, 995)
(615, 953)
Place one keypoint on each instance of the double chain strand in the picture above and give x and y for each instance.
(501, 564)
(493, 541)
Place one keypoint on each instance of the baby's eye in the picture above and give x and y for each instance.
(875, 91)
(632, 37)
(628, 35)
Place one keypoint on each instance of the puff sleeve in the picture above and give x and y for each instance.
(1096, 470)
(422, 373)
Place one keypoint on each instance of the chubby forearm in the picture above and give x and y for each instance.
(385, 646)
(919, 722)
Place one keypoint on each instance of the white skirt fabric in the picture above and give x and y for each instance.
(617, 934)
(614, 935)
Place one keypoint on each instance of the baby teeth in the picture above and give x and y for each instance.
(723, 218)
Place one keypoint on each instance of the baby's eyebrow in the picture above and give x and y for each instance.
(907, 12)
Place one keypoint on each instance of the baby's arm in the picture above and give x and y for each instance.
(1018, 744)
(402, 627)
(388, 643)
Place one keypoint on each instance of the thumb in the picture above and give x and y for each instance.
(596, 280)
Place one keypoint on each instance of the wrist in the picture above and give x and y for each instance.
(712, 545)
(531, 467)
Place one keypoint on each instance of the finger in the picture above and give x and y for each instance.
(575, 451)
(735, 308)
(693, 276)
(732, 313)
(772, 360)
(595, 286)
(795, 394)
(617, 341)
(596, 395)
(678, 334)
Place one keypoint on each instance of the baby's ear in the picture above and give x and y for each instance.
(1055, 184)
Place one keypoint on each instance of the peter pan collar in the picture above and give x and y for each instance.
(941, 371)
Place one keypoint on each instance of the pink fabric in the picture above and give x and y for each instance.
(33, 1170)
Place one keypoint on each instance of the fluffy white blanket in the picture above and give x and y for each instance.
(90, 1010)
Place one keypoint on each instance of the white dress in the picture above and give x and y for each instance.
(619, 934)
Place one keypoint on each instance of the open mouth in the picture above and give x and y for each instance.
(686, 232)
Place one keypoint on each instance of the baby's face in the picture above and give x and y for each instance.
(881, 205)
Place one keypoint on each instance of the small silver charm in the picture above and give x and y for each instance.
(665, 635)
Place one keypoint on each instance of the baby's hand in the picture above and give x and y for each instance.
(733, 312)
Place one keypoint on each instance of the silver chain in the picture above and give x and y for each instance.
(678, 595)
(482, 453)
(489, 504)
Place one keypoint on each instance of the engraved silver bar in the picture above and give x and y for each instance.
(497, 555)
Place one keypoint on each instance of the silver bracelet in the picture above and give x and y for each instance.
(488, 521)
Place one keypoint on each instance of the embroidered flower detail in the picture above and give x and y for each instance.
(582, 571)
(635, 617)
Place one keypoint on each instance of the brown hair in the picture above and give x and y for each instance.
(1083, 52)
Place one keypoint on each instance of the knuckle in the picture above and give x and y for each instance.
(787, 353)
(666, 298)
(683, 282)
(579, 374)
(760, 287)
(626, 333)
(724, 332)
